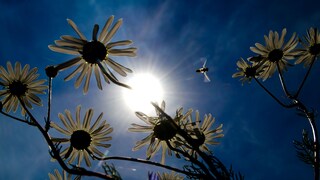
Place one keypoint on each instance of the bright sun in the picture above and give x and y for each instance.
(145, 89)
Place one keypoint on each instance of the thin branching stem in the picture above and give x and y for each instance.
(142, 161)
(220, 164)
(273, 96)
(305, 77)
(56, 153)
(49, 99)
(316, 147)
(310, 116)
(18, 119)
(312, 122)
(192, 159)
(283, 84)
(213, 169)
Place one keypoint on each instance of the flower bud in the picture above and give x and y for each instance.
(51, 71)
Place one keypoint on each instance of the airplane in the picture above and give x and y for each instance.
(204, 71)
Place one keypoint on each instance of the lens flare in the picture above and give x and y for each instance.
(146, 88)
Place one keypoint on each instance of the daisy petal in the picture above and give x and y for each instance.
(105, 28)
(118, 43)
(76, 29)
(112, 31)
(64, 50)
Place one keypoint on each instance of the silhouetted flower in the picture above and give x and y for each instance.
(274, 52)
(51, 71)
(20, 84)
(83, 138)
(311, 48)
(161, 130)
(58, 176)
(93, 54)
(247, 70)
(203, 132)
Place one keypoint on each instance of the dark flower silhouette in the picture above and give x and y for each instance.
(94, 55)
(311, 48)
(82, 137)
(20, 84)
(275, 53)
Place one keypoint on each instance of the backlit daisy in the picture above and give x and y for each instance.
(203, 132)
(247, 71)
(161, 130)
(20, 83)
(311, 48)
(275, 52)
(94, 55)
(83, 138)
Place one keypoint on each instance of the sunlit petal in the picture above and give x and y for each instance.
(112, 31)
(89, 60)
(82, 139)
(76, 29)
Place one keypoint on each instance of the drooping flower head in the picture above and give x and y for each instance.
(275, 53)
(95, 55)
(248, 70)
(17, 83)
(161, 129)
(83, 138)
(311, 50)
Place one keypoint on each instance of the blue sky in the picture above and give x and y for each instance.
(171, 37)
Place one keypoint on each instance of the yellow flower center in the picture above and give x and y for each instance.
(94, 51)
(17, 88)
(80, 139)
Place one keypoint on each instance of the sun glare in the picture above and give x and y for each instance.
(145, 89)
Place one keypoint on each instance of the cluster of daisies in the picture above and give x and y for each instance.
(83, 139)
(276, 54)
(165, 132)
